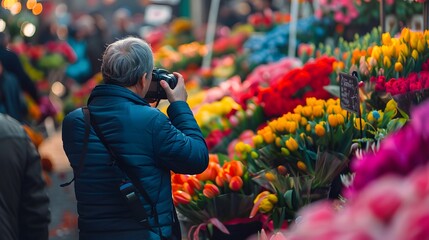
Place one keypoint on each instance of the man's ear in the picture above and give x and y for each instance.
(142, 80)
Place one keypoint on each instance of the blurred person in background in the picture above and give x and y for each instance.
(12, 100)
(24, 204)
(123, 25)
(144, 144)
(79, 31)
(12, 64)
(97, 42)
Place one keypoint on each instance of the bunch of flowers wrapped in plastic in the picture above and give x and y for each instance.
(222, 194)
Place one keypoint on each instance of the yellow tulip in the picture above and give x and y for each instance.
(421, 45)
(311, 101)
(415, 54)
(405, 35)
(405, 50)
(291, 144)
(320, 130)
(386, 61)
(398, 67)
(401, 58)
(307, 111)
(386, 39)
(387, 52)
(273, 198)
(340, 119)
(298, 109)
(376, 52)
(265, 206)
(278, 142)
(257, 140)
(308, 128)
(413, 40)
(291, 127)
(357, 125)
(303, 121)
(332, 120)
(318, 111)
(391, 106)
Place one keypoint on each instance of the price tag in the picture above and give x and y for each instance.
(349, 93)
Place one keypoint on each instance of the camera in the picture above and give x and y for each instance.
(155, 89)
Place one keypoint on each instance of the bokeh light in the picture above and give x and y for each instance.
(28, 29)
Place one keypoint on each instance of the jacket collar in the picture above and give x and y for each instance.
(115, 91)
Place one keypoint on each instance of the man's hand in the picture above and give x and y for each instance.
(179, 92)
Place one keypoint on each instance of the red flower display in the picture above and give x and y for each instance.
(293, 88)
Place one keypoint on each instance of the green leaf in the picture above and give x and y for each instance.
(333, 89)
(290, 198)
(396, 124)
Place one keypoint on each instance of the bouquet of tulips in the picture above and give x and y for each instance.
(297, 156)
(222, 194)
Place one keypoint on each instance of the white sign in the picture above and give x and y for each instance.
(157, 14)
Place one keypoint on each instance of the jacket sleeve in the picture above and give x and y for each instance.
(179, 144)
(34, 210)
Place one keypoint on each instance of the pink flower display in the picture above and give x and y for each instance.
(393, 207)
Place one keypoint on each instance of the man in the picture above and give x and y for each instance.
(24, 212)
(145, 142)
(12, 64)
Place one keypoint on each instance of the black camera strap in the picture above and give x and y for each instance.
(84, 150)
(130, 174)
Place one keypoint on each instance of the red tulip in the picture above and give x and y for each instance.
(181, 197)
(236, 183)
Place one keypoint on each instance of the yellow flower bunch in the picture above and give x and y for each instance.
(219, 109)
(295, 138)
(401, 55)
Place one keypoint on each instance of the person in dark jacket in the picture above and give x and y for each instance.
(12, 100)
(148, 144)
(12, 64)
(24, 204)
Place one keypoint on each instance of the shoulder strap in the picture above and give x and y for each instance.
(84, 149)
(116, 160)
(130, 174)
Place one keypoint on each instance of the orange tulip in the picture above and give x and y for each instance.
(222, 178)
(211, 190)
(210, 173)
(233, 168)
(194, 182)
(179, 178)
(236, 183)
(181, 197)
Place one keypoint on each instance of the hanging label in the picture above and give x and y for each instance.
(349, 93)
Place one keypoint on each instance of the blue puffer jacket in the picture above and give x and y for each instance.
(149, 143)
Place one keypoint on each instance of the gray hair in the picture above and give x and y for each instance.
(126, 61)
